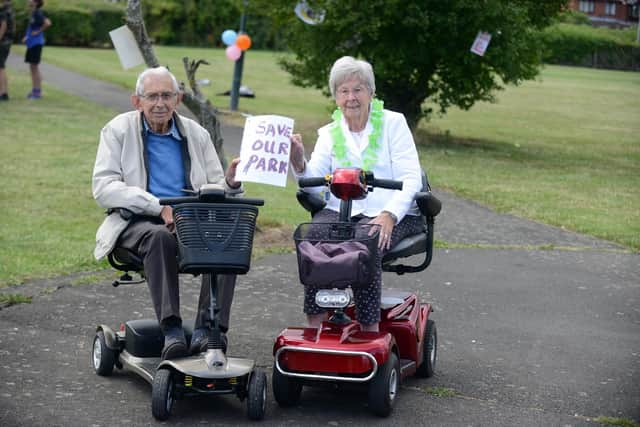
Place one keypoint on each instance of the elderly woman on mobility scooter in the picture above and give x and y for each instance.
(145, 155)
(364, 135)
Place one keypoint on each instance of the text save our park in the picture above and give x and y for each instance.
(264, 154)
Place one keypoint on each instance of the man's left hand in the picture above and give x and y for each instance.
(231, 174)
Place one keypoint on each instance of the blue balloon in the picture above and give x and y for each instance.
(229, 37)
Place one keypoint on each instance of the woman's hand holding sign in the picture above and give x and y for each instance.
(296, 157)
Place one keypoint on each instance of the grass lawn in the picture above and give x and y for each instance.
(563, 150)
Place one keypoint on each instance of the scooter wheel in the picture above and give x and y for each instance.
(257, 395)
(102, 356)
(286, 390)
(162, 394)
(429, 351)
(384, 387)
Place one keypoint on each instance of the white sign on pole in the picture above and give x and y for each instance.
(481, 43)
(126, 47)
(264, 153)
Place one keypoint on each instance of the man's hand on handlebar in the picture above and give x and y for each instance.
(167, 216)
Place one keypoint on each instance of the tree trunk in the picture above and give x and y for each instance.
(194, 101)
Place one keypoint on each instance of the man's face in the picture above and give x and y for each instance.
(158, 102)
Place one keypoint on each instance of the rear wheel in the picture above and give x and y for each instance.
(162, 394)
(257, 395)
(102, 356)
(286, 390)
(384, 387)
(429, 351)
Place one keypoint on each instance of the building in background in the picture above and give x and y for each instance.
(609, 13)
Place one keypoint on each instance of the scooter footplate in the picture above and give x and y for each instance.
(197, 366)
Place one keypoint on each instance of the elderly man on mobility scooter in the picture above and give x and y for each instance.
(365, 148)
(148, 154)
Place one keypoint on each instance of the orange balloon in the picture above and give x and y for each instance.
(243, 41)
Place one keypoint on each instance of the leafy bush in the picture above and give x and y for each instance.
(574, 17)
(582, 45)
(200, 23)
(75, 22)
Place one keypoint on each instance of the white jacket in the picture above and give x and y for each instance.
(397, 160)
(120, 173)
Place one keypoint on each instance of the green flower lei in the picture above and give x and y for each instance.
(371, 153)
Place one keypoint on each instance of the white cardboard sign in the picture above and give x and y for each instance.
(126, 47)
(481, 43)
(264, 153)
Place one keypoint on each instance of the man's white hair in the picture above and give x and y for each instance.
(156, 71)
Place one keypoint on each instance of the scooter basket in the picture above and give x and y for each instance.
(336, 255)
(214, 237)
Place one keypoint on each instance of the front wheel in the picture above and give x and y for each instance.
(383, 388)
(429, 351)
(286, 390)
(162, 394)
(257, 395)
(102, 356)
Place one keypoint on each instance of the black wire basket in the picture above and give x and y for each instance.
(336, 255)
(214, 237)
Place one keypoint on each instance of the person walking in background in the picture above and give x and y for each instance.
(7, 28)
(34, 39)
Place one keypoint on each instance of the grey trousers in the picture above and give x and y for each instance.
(157, 246)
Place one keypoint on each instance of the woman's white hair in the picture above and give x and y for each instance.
(346, 68)
(157, 71)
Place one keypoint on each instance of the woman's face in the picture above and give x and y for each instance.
(353, 98)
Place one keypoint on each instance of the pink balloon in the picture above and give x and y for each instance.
(233, 52)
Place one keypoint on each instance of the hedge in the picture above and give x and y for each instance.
(74, 23)
(169, 22)
(591, 47)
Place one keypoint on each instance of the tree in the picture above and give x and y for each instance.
(196, 103)
(419, 49)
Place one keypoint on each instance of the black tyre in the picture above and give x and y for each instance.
(430, 351)
(103, 357)
(286, 390)
(257, 395)
(162, 394)
(384, 387)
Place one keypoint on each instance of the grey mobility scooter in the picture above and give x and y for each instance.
(215, 236)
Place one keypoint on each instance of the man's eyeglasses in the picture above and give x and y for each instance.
(154, 97)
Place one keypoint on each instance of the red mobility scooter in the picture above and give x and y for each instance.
(340, 351)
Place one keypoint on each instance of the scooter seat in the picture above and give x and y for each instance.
(410, 245)
(125, 260)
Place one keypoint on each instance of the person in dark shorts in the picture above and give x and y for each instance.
(7, 29)
(34, 39)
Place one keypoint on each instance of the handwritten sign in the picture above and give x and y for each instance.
(264, 153)
(481, 43)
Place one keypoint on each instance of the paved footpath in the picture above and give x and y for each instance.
(528, 337)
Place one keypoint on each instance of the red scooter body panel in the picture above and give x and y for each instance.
(319, 349)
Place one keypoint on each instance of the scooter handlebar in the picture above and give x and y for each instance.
(312, 182)
(212, 196)
(386, 183)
